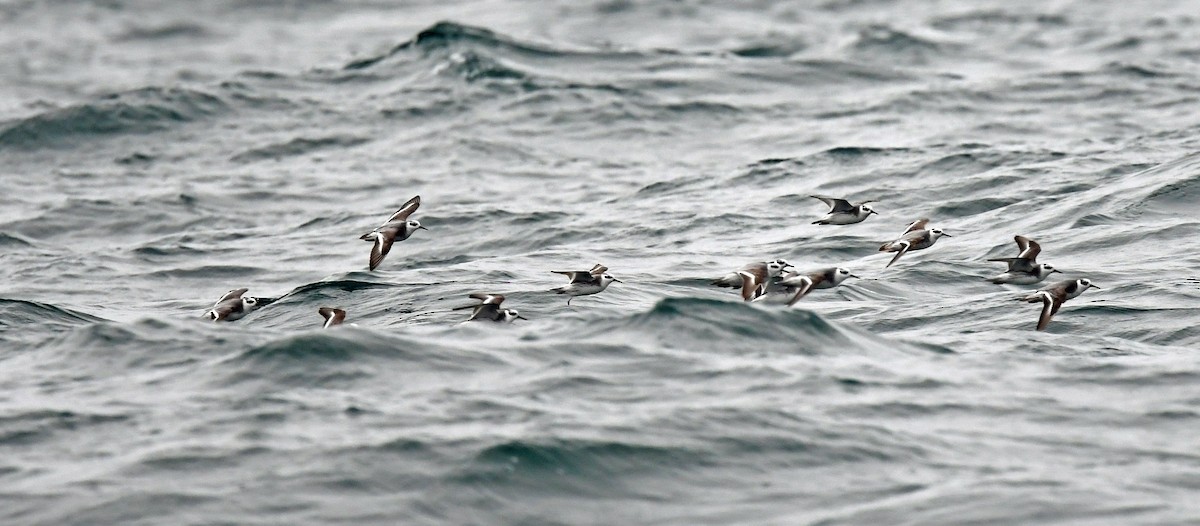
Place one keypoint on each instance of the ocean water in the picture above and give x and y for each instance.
(154, 155)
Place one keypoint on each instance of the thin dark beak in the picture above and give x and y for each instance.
(872, 212)
(1060, 272)
(853, 276)
(1095, 287)
(617, 280)
(520, 317)
(947, 235)
(422, 227)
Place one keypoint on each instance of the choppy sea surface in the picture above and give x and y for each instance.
(154, 155)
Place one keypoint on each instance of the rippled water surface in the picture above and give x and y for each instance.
(154, 155)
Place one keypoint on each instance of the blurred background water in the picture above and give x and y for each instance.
(155, 154)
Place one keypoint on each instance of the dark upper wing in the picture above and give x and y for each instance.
(903, 249)
(835, 204)
(235, 293)
(917, 237)
(486, 311)
(753, 285)
(227, 307)
(811, 283)
(406, 210)
(1029, 248)
(1058, 303)
(488, 299)
(586, 277)
(1016, 264)
(757, 272)
(383, 245)
(579, 276)
(1053, 300)
(758, 269)
(1050, 306)
(916, 225)
(332, 316)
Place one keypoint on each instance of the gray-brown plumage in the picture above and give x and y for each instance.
(1023, 269)
(333, 317)
(1026, 259)
(234, 306)
(915, 237)
(396, 228)
(1053, 297)
(584, 282)
(489, 309)
(804, 282)
(841, 212)
(753, 279)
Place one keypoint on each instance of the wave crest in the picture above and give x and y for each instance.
(140, 111)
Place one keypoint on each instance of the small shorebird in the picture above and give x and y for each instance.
(753, 279)
(584, 282)
(333, 317)
(805, 282)
(490, 309)
(396, 228)
(841, 212)
(1023, 269)
(1055, 295)
(915, 237)
(234, 306)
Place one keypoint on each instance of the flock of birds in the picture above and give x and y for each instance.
(757, 281)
